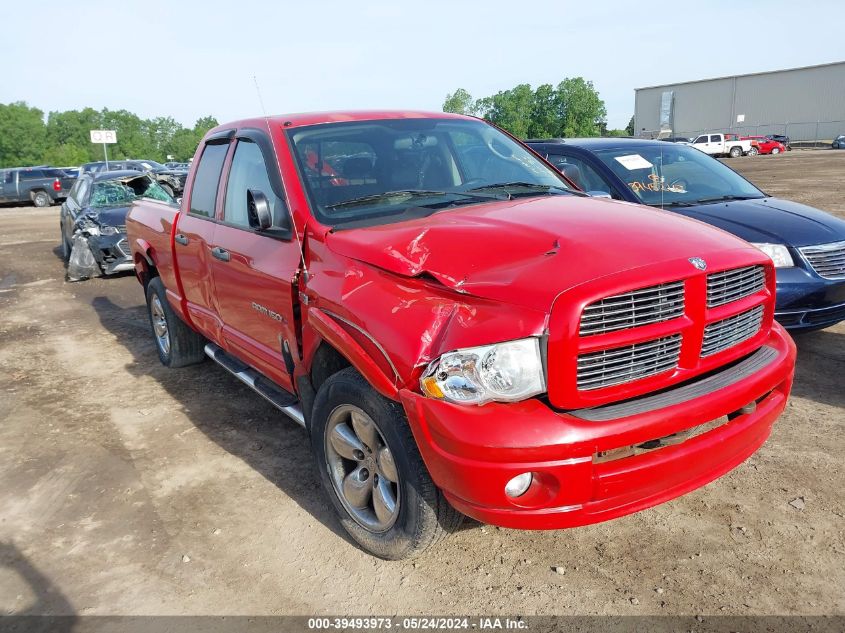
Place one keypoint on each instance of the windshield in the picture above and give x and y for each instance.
(123, 191)
(667, 175)
(376, 172)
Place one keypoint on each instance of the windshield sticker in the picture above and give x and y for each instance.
(657, 184)
(633, 161)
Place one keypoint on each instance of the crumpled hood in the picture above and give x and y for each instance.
(771, 220)
(527, 251)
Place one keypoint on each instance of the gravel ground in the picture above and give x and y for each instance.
(127, 488)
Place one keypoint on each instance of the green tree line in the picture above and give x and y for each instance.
(62, 139)
(572, 108)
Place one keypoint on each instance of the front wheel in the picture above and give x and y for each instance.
(65, 243)
(776, 150)
(372, 470)
(736, 152)
(176, 343)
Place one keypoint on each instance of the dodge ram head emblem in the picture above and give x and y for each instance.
(698, 263)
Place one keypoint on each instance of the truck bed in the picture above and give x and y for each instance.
(149, 231)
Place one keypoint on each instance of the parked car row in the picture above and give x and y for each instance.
(172, 180)
(44, 185)
(734, 145)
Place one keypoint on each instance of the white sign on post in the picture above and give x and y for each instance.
(103, 136)
(740, 118)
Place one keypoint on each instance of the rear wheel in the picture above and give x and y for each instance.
(372, 470)
(176, 343)
(736, 152)
(41, 199)
(753, 151)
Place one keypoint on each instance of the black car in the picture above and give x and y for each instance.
(92, 221)
(806, 245)
(838, 142)
(780, 138)
(171, 180)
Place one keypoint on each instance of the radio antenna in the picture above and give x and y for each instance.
(284, 188)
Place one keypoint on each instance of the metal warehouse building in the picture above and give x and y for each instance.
(806, 104)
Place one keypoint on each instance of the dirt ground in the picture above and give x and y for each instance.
(128, 488)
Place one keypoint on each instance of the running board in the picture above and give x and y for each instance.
(284, 401)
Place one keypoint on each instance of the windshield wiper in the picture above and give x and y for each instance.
(675, 203)
(407, 193)
(533, 186)
(727, 198)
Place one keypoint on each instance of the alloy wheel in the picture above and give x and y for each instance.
(362, 469)
(160, 325)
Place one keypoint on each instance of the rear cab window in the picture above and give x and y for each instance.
(204, 191)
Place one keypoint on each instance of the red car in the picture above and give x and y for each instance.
(460, 330)
(765, 145)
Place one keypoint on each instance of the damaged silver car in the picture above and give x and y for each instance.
(93, 221)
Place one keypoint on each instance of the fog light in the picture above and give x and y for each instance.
(518, 485)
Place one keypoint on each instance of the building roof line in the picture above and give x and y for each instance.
(764, 72)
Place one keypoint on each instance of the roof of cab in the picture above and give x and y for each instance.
(316, 118)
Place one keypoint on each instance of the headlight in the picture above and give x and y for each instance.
(108, 230)
(779, 254)
(505, 372)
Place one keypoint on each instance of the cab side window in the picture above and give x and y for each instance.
(249, 171)
(204, 191)
(582, 174)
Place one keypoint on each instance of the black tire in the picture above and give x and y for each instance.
(184, 346)
(41, 199)
(753, 151)
(736, 152)
(65, 244)
(424, 516)
(776, 150)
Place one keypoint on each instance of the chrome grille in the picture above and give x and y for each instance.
(828, 260)
(632, 309)
(619, 365)
(728, 332)
(731, 285)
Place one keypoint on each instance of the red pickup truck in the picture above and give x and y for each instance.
(460, 330)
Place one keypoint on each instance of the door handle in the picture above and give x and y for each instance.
(220, 253)
(181, 239)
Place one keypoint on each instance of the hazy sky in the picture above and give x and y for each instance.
(189, 58)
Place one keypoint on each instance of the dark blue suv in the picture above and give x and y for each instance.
(806, 245)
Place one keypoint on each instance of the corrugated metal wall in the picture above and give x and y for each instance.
(804, 103)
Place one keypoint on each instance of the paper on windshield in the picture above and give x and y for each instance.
(633, 161)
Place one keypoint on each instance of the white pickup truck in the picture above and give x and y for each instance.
(721, 145)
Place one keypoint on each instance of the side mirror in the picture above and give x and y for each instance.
(258, 210)
(598, 194)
